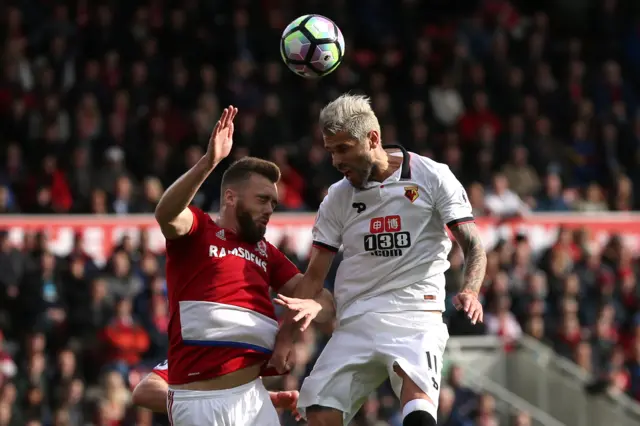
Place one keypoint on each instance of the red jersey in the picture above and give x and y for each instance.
(221, 315)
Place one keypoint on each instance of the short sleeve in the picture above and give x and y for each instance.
(327, 230)
(200, 219)
(451, 199)
(162, 370)
(281, 269)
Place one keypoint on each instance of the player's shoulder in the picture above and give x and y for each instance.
(426, 170)
(338, 194)
(267, 249)
(339, 189)
(202, 217)
(264, 247)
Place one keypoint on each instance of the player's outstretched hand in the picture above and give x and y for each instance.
(469, 303)
(221, 139)
(287, 400)
(305, 310)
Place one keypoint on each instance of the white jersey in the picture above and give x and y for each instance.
(394, 237)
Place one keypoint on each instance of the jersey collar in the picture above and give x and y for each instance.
(405, 171)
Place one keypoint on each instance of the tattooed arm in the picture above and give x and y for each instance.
(475, 265)
(475, 257)
(452, 202)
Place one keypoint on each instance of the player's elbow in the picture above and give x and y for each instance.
(163, 215)
(172, 225)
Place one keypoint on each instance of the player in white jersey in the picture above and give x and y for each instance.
(390, 215)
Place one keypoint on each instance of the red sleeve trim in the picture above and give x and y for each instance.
(196, 219)
(323, 246)
(461, 221)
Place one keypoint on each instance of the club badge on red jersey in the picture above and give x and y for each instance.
(261, 247)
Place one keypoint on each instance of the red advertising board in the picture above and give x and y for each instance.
(101, 233)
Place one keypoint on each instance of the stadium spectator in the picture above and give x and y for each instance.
(125, 341)
(501, 201)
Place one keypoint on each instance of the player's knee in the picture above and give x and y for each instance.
(419, 412)
(419, 418)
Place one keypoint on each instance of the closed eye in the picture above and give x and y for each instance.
(264, 199)
(338, 149)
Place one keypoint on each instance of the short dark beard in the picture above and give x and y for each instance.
(373, 171)
(248, 230)
(366, 175)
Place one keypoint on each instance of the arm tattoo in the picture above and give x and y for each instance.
(475, 257)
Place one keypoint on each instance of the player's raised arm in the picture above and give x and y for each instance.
(454, 207)
(172, 213)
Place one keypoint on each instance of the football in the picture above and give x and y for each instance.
(312, 46)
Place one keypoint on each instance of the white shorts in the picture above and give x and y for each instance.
(361, 355)
(246, 405)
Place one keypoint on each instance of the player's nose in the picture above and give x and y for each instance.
(268, 211)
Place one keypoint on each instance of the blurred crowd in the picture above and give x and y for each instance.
(581, 300)
(104, 104)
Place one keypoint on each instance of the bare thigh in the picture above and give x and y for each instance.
(323, 416)
(410, 390)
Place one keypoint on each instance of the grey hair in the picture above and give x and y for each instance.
(351, 114)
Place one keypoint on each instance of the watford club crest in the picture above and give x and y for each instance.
(411, 192)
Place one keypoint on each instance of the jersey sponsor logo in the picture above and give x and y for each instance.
(219, 252)
(360, 207)
(411, 192)
(386, 238)
(385, 224)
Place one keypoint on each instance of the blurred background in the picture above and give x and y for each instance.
(532, 104)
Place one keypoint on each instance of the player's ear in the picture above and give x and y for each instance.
(374, 139)
(230, 197)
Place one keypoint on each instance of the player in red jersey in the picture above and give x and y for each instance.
(222, 323)
(151, 392)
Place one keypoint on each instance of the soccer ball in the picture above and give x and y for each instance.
(312, 46)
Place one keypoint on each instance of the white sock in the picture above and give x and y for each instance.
(419, 405)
